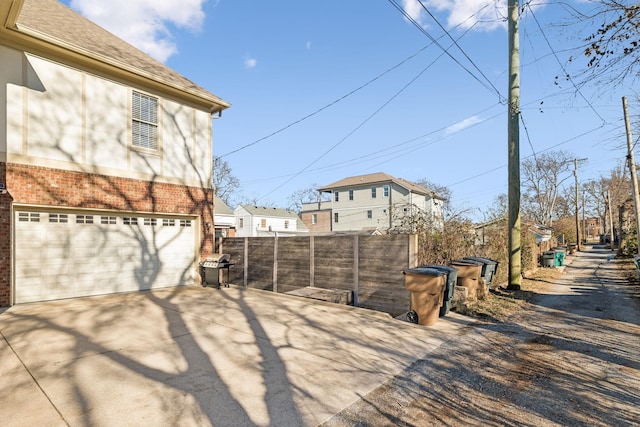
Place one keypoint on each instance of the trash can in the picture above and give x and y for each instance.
(489, 267)
(450, 284)
(559, 257)
(571, 248)
(548, 258)
(469, 273)
(427, 292)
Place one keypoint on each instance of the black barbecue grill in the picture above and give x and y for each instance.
(211, 267)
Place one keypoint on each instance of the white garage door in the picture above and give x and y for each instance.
(71, 254)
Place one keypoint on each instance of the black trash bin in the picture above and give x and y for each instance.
(427, 293)
(452, 278)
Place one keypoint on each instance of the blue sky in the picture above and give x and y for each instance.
(322, 90)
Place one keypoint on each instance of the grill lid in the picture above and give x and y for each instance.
(216, 260)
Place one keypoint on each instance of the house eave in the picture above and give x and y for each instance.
(21, 37)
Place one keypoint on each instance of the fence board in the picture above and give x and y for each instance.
(372, 269)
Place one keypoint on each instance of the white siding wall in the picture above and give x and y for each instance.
(53, 115)
(106, 130)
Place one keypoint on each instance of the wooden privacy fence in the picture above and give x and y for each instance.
(370, 266)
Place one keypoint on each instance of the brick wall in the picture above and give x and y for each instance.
(52, 187)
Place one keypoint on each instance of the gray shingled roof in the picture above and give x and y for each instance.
(221, 207)
(55, 23)
(375, 178)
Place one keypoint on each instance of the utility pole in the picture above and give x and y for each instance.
(632, 167)
(575, 174)
(513, 136)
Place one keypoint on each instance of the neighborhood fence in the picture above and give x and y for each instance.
(370, 266)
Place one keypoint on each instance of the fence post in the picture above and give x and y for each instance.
(312, 261)
(356, 268)
(275, 264)
(246, 262)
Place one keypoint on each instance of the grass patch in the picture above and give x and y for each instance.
(502, 303)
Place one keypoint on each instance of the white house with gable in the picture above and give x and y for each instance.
(262, 221)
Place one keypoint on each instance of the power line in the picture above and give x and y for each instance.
(319, 110)
(490, 86)
(527, 157)
(560, 64)
(502, 99)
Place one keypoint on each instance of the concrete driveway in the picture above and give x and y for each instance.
(199, 356)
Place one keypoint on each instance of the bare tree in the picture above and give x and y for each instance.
(542, 178)
(303, 195)
(498, 209)
(225, 184)
(440, 190)
(612, 51)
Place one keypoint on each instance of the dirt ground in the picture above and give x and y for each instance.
(569, 355)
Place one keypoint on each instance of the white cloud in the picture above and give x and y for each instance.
(414, 10)
(487, 15)
(144, 23)
(250, 63)
(462, 124)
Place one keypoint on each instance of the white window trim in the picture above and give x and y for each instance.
(151, 123)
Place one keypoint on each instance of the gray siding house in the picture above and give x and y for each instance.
(375, 201)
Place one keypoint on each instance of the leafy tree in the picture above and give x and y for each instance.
(225, 184)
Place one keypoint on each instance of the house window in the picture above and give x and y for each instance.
(129, 221)
(150, 221)
(263, 223)
(185, 223)
(314, 218)
(28, 217)
(335, 217)
(84, 219)
(369, 214)
(373, 192)
(350, 194)
(336, 196)
(286, 224)
(58, 218)
(168, 222)
(144, 124)
(240, 222)
(108, 220)
(385, 190)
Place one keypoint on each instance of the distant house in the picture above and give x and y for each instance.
(224, 220)
(257, 221)
(375, 201)
(105, 161)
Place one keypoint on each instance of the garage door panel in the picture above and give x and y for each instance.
(62, 260)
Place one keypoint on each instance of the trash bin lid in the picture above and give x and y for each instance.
(467, 262)
(445, 268)
(425, 270)
(481, 259)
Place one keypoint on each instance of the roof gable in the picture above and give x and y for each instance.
(221, 207)
(268, 211)
(53, 23)
(379, 178)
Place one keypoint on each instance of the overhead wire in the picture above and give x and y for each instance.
(488, 86)
(502, 98)
(332, 103)
(555, 55)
